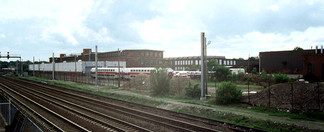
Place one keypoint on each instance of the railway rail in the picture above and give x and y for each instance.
(91, 106)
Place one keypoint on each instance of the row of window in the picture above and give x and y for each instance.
(107, 70)
(152, 62)
(140, 70)
(198, 62)
(151, 54)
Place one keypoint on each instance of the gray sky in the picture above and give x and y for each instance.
(236, 28)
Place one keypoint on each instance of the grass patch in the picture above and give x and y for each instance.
(241, 120)
(91, 89)
(310, 116)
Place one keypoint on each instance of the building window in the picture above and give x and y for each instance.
(142, 62)
(155, 54)
(142, 53)
(231, 62)
(147, 53)
(220, 61)
(234, 62)
(160, 54)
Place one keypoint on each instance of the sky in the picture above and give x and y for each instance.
(236, 28)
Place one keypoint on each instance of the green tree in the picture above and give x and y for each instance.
(298, 48)
(191, 68)
(228, 93)
(281, 78)
(254, 58)
(264, 76)
(192, 91)
(240, 58)
(254, 71)
(160, 82)
(211, 64)
(221, 73)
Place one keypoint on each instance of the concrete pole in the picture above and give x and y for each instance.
(33, 66)
(96, 59)
(203, 70)
(206, 66)
(53, 63)
(118, 69)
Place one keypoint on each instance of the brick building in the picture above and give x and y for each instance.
(181, 63)
(289, 62)
(314, 66)
(133, 58)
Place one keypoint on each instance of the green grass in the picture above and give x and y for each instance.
(231, 118)
(242, 120)
(310, 116)
(91, 89)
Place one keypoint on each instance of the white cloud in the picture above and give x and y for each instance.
(254, 42)
(2, 36)
(274, 8)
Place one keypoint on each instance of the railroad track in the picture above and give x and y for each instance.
(92, 120)
(39, 111)
(177, 123)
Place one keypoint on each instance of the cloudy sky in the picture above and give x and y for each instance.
(235, 28)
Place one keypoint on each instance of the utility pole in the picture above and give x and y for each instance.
(205, 61)
(53, 63)
(96, 59)
(203, 68)
(33, 66)
(118, 69)
(39, 67)
(75, 67)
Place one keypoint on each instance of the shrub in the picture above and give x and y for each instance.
(281, 78)
(228, 93)
(254, 71)
(193, 91)
(160, 82)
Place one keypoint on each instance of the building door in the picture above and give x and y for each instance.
(309, 68)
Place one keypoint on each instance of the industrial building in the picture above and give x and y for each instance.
(84, 61)
(309, 63)
(181, 63)
(133, 58)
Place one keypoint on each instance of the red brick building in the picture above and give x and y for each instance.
(314, 66)
(133, 58)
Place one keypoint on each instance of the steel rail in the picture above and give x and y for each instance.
(41, 106)
(84, 108)
(171, 122)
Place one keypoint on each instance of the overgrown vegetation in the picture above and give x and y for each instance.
(280, 78)
(192, 91)
(228, 93)
(160, 82)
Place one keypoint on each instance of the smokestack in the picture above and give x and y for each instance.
(316, 49)
(321, 49)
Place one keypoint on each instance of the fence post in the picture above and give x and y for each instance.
(269, 94)
(318, 97)
(292, 97)
(249, 91)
